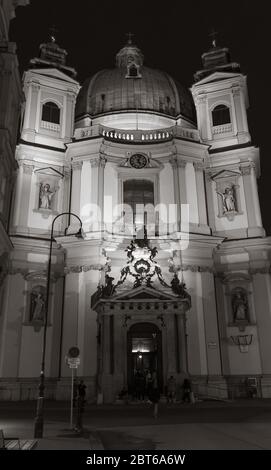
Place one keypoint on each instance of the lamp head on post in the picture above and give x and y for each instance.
(78, 234)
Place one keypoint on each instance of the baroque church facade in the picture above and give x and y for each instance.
(159, 260)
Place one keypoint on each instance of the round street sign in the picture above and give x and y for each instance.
(74, 352)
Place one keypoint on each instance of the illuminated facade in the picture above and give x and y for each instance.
(151, 284)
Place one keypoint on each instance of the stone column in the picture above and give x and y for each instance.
(222, 326)
(182, 181)
(102, 163)
(119, 352)
(210, 200)
(70, 318)
(210, 323)
(240, 112)
(106, 344)
(68, 121)
(262, 290)
(89, 324)
(63, 204)
(201, 195)
(182, 342)
(255, 228)
(97, 182)
(76, 187)
(17, 196)
(171, 346)
(33, 107)
(118, 344)
(202, 111)
(75, 196)
(24, 197)
(11, 325)
(176, 183)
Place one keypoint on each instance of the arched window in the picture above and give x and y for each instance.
(132, 71)
(51, 112)
(221, 115)
(138, 194)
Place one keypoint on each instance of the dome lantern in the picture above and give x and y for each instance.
(129, 54)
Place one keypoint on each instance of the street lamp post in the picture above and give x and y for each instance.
(38, 429)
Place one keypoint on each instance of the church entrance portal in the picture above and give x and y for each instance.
(144, 352)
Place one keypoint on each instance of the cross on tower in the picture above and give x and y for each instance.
(130, 35)
(53, 32)
(213, 34)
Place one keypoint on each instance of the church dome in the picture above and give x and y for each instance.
(131, 86)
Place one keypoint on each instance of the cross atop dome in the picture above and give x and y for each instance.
(130, 35)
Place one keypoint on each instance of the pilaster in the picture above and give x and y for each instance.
(255, 228)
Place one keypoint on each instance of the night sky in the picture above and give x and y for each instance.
(172, 38)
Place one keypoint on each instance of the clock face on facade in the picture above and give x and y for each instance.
(138, 160)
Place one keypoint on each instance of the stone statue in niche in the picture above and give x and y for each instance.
(228, 200)
(45, 196)
(37, 306)
(239, 305)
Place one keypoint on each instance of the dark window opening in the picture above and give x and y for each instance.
(138, 194)
(51, 113)
(221, 115)
(132, 71)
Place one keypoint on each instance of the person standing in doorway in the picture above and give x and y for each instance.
(155, 394)
(148, 384)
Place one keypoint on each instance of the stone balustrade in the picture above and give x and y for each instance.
(136, 136)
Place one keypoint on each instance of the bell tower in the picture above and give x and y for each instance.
(232, 165)
(50, 89)
(221, 99)
(43, 179)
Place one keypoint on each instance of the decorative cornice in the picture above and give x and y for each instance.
(13, 271)
(28, 169)
(35, 86)
(84, 268)
(177, 162)
(173, 161)
(191, 267)
(201, 99)
(246, 169)
(98, 162)
(228, 276)
(236, 91)
(263, 270)
(30, 276)
(199, 166)
(77, 166)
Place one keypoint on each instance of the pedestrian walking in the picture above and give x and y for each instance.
(75, 392)
(171, 389)
(186, 390)
(81, 399)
